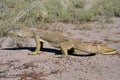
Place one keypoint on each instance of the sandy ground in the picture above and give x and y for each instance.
(16, 64)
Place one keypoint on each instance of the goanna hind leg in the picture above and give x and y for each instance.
(66, 47)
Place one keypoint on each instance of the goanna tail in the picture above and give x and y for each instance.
(106, 50)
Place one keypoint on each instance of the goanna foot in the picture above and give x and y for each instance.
(33, 53)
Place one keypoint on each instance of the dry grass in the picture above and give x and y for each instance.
(22, 13)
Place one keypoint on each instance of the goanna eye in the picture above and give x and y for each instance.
(17, 30)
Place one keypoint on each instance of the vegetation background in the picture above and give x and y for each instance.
(22, 13)
(86, 20)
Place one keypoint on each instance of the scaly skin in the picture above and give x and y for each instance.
(58, 40)
(93, 48)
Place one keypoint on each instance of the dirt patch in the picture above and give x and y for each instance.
(16, 64)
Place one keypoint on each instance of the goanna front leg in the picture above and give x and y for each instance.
(38, 45)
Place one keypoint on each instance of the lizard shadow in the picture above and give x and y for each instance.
(72, 52)
(33, 49)
(83, 55)
(51, 50)
(22, 48)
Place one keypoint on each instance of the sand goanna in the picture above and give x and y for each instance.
(60, 41)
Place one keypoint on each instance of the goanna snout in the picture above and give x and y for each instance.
(14, 33)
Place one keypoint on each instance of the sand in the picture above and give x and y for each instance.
(16, 64)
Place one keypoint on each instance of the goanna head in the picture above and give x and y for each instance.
(20, 33)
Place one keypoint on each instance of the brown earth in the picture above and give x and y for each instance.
(16, 64)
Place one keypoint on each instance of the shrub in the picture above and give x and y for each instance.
(17, 13)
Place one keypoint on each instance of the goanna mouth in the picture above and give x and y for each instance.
(10, 33)
(13, 33)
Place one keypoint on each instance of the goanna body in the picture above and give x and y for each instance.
(60, 41)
